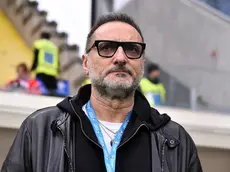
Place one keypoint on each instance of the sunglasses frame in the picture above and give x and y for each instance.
(120, 44)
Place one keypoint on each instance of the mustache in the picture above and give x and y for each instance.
(119, 68)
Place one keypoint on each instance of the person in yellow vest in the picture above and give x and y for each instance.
(151, 86)
(86, 81)
(46, 62)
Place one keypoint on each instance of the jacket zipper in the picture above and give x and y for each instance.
(70, 164)
(162, 155)
(82, 127)
(94, 141)
(132, 135)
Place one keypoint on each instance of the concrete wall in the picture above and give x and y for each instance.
(6, 139)
(180, 36)
(212, 160)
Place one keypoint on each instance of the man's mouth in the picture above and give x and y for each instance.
(124, 71)
(119, 71)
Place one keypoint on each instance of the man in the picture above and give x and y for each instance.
(86, 81)
(151, 86)
(22, 79)
(108, 126)
(46, 62)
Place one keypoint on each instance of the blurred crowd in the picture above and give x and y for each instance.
(46, 69)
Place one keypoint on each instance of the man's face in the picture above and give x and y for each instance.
(154, 74)
(21, 73)
(118, 75)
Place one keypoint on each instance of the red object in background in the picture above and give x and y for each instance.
(30, 86)
(34, 87)
(213, 53)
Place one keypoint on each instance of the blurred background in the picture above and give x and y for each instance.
(187, 70)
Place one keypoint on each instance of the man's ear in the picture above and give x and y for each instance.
(85, 63)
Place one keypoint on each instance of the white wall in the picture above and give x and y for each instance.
(118, 4)
(72, 16)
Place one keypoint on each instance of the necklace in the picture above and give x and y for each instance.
(104, 128)
(107, 128)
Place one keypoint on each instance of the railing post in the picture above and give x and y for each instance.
(193, 99)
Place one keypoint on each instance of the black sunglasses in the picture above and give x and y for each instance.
(107, 48)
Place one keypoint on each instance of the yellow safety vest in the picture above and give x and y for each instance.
(151, 90)
(85, 82)
(47, 57)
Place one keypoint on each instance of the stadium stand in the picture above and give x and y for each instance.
(29, 22)
(13, 50)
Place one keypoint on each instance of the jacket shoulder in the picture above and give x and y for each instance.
(173, 128)
(43, 118)
(168, 126)
(185, 145)
(52, 111)
(176, 132)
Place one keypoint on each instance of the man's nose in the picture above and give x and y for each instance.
(120, 56)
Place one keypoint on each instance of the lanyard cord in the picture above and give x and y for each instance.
(109, 158)
(111, 139)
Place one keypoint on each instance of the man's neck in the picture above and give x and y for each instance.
(111, 110)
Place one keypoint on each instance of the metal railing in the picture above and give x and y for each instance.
(221, 5)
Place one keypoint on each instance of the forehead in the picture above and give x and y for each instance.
(117, 31)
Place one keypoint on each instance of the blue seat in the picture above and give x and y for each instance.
(62, 90)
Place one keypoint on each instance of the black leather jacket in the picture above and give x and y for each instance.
(61, 139)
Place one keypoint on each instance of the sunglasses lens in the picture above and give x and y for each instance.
(107, 49)
(133, 50)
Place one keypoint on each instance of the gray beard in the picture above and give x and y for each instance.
(119, 92)
(114, 92)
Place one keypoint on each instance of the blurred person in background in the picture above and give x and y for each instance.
(86, 81)
(108, 125)
(46, 62)
(152, 87)
(22, 79)
(23, 83)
